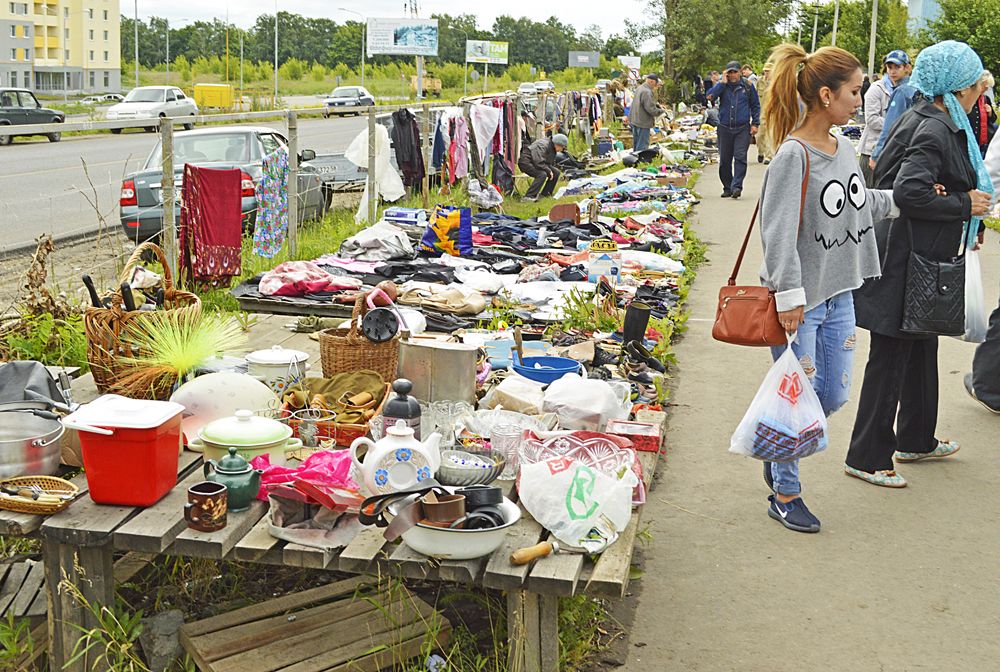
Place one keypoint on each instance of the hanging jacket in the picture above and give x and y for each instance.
(405, 136)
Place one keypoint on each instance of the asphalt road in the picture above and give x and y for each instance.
(45, 188)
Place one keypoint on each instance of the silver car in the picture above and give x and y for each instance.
(154, 103)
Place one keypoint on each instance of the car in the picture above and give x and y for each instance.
(602, 85)
(243, 147)
(347, 100)
(19, 107)
(544, 85)
(153, 102)
(92, 100)
(526, 89)
(112, 98)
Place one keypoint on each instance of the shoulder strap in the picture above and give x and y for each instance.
(753, 219)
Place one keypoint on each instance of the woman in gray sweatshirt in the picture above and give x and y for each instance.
(814, 264)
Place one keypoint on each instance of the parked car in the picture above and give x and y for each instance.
(153, 102)
(347, 100)
(112, 98)
(93, 100)
(19, 107)
(243, 147)
(602, 85)
(544, 85)
(526, 89)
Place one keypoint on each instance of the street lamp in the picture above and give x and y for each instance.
(276, 53)
(135, 24)
(364, 28)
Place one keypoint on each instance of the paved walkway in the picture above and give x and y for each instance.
(897, 580)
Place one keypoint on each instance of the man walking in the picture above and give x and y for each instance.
(739, 119)
(876, 104)
(642, 115)
(538, 160)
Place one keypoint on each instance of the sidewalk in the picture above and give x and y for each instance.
(897, 579)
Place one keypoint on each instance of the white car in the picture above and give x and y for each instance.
(544, 85)
(526, 89)
(92, 100)
(153, 102)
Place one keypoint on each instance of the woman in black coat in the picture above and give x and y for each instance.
(927, 164)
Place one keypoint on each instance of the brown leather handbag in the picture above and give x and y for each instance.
(747, 314)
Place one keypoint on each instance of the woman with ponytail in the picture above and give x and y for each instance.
(813, 262)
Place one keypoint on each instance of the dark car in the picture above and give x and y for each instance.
(243, 147)
(347, 100)
(19, 107)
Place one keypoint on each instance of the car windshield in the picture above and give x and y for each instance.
(145, 96)
(205, 148)
(345, 92)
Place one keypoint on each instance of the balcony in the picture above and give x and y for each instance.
(46, 42)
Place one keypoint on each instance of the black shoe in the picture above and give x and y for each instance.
(737, 193)
(794, 515)
(768, 476)
(638, 352)
(760, 158)
(972, 393)
(767, 162)
(727, 194)
(603, 357)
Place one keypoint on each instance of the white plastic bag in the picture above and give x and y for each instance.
(785, 420)
(586, 404)
(516, 393)
(975, 303)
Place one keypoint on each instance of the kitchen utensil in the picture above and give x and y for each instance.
(220, 395)
(241, 479)
(506, 440)
(66, 388)
(519, 344)
(439, 370)
(403, 406)
(398, 461)
(443, 509)
(127, 297)
(459, 544)
(315, 425)
(545, 369)
(29, 443)
(464, 469)
(477, 496)
(95, 299)
(250, 434)
(523, 556)
(278, 368)
(61, 489)
(207, 507)
(381, 324)
(446, 416)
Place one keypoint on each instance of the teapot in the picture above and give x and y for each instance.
(398, 460)
(242, 480)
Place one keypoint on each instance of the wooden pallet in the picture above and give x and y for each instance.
(22, 589)
(348, 625)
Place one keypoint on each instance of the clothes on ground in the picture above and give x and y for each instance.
(295, 278)
(211, 224)
(271, 191)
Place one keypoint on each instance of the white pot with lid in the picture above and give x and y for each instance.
(278, 368)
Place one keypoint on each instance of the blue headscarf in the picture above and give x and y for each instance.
(939, 71)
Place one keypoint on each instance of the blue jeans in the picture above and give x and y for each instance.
(734, 141)
(640, 138)
(824, 345)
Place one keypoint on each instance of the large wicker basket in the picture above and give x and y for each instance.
(104, 327)
(344, 350)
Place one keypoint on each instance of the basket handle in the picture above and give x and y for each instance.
(136, 259)
(359, 306)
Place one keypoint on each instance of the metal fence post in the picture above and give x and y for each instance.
(167, 193)
(372, 193)
(428, 140)
(293, 183)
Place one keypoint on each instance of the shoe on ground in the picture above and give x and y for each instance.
(885, 478)
(529, 199)
(972, 393)
(760, 158)
(737, 193)
(794, 514)
(640, 353)
(944, 449)
(769, 476)
(767, 162)
(727, 194)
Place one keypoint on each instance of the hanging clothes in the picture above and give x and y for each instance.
(438, 152)
(387, 182)
(211, 224)
(405, 136)
(485, 120)
(458, 152)
(272, 205)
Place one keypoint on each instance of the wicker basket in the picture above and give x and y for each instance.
(50, 484)
(345, 350)
(104, 326)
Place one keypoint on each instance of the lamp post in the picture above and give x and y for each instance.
(836, 17)
(465, 70)
(275, 53)
(135, 24)
(364, 29)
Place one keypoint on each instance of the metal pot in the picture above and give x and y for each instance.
(29, 440)
(278, 368)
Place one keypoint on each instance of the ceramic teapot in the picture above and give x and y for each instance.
(242, 480)
(398, 460)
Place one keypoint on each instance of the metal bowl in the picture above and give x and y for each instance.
(450, 473)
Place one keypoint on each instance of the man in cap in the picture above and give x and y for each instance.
(739, 119)
(538, 160)
(643, 113)
(896, 67)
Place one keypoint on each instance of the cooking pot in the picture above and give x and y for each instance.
(278, 368)
(29, 440)
(251, 435)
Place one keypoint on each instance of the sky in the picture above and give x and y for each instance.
(581, 14)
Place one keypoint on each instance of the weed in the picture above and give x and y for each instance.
(16, 643)
(11, 546)
(49, 340)
(112, 644)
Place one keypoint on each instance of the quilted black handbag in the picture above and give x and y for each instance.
(934, 298)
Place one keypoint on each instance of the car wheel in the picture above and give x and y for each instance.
(188, 127)
(116, 131)
(6, 139)
(150, 129)
(54, 137)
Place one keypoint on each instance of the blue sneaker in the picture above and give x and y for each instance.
(794, 515)
(769, 476)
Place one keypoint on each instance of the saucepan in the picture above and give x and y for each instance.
(29, 439)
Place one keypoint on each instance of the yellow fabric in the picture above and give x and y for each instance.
(327, 392)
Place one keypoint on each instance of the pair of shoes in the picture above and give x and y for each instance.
(943, 449)
(727, 194)
(737, 193)
(887, 478)
(768, 476)
(530, 199)
(603, 357)
(638, 352)
(972, 393)
(794, 515)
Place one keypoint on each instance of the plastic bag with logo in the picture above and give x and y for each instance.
(785, 420)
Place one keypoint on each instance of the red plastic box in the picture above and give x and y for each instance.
(645, 436)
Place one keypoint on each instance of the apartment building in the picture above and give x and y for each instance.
(60, 45)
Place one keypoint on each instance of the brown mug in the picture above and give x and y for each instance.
(443, 508)
(207, 506)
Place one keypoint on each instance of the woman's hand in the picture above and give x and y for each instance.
(980, 202)
(791, 319)
(979, 241)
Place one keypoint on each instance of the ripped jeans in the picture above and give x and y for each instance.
(824, 345)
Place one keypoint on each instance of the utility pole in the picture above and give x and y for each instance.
(815, 25)
(275, 53)
(167, 23)
(871, 42)
(135, 24)
(836, 18)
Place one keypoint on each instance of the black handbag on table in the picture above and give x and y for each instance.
(934, 297)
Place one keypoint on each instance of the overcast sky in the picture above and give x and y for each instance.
(580, 13)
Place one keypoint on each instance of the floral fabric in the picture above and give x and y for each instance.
(272, 205)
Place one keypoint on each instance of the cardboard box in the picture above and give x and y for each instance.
(645, 436)
(663, 181)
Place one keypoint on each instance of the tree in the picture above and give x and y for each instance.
(854, 28)
(976, 22)
(618, 46)
(452, 33)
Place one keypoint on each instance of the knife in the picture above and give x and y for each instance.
(523, 556)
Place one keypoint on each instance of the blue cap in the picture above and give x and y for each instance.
(897, 56)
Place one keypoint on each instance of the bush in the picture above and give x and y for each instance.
(341, 70)
(450, 74)
(520, 72)
(292, 69)
(318, 72)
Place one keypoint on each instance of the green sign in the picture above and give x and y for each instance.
(484, 51)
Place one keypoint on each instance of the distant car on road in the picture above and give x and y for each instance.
(92, 100)
(243, 147)
(602, 85)
(112, 98)
(19, 107)
(544, 86)
(153, 102)
(526, 89)
(347, 100)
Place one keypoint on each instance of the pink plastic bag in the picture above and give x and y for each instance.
(330, 468)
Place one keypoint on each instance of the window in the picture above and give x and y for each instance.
(90, 13)
(105, 36)
(24, 10)
(90, 34)
(13, 75)
(179, 94)
(13, 55)
(91, 54)
(27, 54)
(105, 16)
(270, 142)
(65, 33)
(91, 79)
(27, 30)
(105, 56)
(13, 31)
(28, 100)
(12, 11)
(170, 96)
(107, 79)
(66, 11)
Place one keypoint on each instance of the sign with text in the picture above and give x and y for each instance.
(633, 63)
(584, 59)
(484, 51)
(403, 37)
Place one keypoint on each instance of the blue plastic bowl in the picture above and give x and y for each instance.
(556, 368)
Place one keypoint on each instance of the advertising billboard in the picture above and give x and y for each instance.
(403, 37)
(584, 59)
(484, 51)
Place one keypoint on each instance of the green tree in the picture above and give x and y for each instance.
(854, 28)
(618, 46)
(976, 22)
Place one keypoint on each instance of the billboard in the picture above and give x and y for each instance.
(584, 59)
(403, 37)
(484, 51)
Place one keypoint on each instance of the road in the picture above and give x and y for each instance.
(44, 186)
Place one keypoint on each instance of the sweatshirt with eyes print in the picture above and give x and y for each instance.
(834, 251)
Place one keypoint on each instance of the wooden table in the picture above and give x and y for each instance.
(78, 545)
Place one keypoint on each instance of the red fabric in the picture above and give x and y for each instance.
(482, 240)
(298, 278)
(981, 134)
(211, 226)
